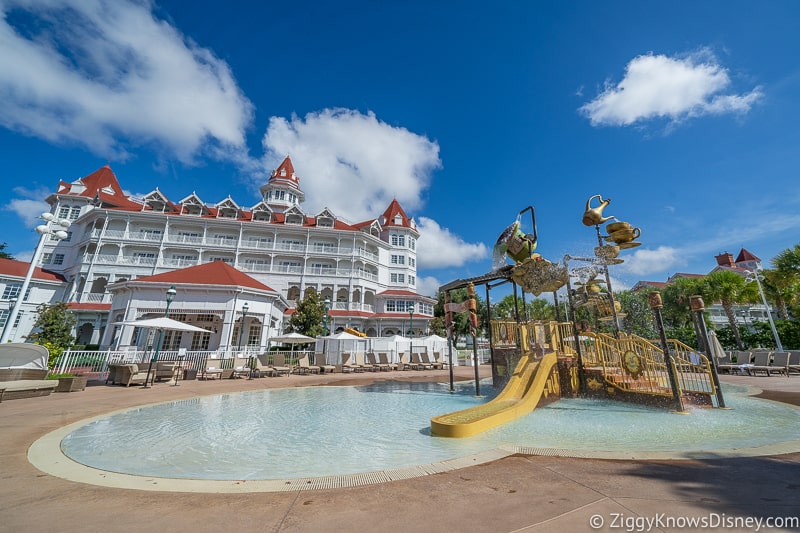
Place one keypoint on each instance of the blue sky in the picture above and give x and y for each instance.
(685, 114)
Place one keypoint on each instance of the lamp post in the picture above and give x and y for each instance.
(171, 292)
(411, 327)
(11, 303)
(325, 318)
(245, 308)
(54, 227)
(753, 275)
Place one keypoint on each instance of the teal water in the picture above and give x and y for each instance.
(322, 431)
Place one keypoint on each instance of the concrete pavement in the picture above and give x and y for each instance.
(517, 493)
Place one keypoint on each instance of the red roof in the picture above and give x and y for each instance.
(74, 306)
(12, 267)
(285, 174)
(397, 292)
(94, 184)
(745, 255)
(391, 212)
(215, 273)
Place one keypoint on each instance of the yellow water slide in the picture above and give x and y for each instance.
(520, 396)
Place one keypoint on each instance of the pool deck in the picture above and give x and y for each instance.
(516, 493)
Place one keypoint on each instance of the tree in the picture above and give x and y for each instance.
(638, 318)
(676, 296)
(309, 315)
(729, 288)
(538, 309)
(53, 329)
(460, 324)
(784, 282)
(3, 253)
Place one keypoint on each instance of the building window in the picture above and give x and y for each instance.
(412, 262)
(18, 319)
(172, 340)
(200, 341)
(391, 306)
(47, 257)
(398, 240)
(58, 259)
(254, 335)
(411, 280)
(70, 213)
(397, 278)
(4, 313)
(398, 260)
(412, 243)
(11, 291)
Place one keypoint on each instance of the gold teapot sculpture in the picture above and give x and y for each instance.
(594, 215)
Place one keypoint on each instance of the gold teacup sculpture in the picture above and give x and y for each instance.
(624, 236)
(617, 226)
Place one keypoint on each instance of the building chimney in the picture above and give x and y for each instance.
(725, 260)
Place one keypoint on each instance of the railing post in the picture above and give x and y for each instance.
(654, 299)
(698, 306)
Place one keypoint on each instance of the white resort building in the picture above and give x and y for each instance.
(229, 265)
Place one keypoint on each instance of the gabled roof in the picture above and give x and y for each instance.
(19, 269)
(745, 255)
(391, 213)
(214, 273)
(102, 185)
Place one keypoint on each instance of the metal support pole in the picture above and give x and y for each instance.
(170, 295)
(448, 324)
(608, 285)
(654, 299)
(698, 306)
(473, 326)
(581, 373)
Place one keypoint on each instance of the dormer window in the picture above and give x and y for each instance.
(295, 219)
(398, 219)
(283, 172)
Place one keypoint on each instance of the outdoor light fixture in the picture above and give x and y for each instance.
(53, 227)
(171, 292)
(753, 275)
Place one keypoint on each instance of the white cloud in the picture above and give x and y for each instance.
(438, 248)
(644, 262)
(30, 205)
(428, 286)
(658, 86)
(351, 162)
(95, 72)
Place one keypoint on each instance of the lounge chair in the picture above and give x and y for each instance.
(437, 358)
(417, 364)
(304, 367)
(383, 359)
(360, 360)
(348, 365)
(794, 362)
(426, 359)
(405, 362)
(210, 372)
(761, 363)
(319, 360)
(133, 374)
(383, 367)
(279, 364)
(780, 363)
(262, 366)
(241, 367)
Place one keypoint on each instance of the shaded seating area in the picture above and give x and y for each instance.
(23, 369)
(279, 366)
(349, 364)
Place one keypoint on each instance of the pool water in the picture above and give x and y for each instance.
(324, 431)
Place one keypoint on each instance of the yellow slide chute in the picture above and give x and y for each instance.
(521, 395)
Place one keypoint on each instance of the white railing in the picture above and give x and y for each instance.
(95, 297)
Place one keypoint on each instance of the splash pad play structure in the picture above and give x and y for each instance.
(536, 363)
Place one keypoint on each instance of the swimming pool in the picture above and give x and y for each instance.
(328, 431)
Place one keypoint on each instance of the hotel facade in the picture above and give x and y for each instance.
(238, 271)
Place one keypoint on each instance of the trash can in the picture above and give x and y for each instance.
(189, 374)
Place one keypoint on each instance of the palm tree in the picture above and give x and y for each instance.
(730, 288)
(676, 297)
(786, 279)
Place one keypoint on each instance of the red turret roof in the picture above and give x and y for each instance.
(214, 273)
(285, 173)
(391, 213)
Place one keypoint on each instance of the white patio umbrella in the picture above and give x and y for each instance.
(161, 323)
(343, 337)
(293, 338)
